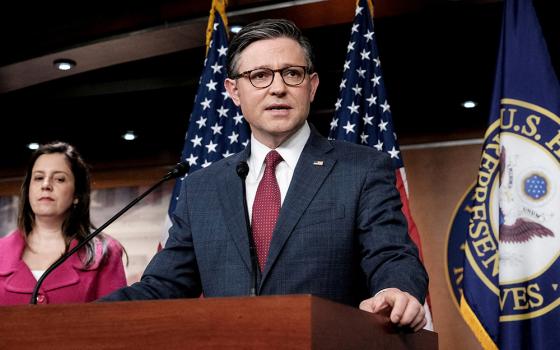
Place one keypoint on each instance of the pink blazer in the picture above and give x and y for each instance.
(71, 282)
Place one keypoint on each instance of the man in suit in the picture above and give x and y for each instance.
(325, 215)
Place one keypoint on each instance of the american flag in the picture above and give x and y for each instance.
(217, 128)
(362, 112)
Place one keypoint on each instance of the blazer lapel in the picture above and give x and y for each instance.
(69, 272)
(19, 277)
(22, 280)
(63, 276)
(230, 191)
(310, 173)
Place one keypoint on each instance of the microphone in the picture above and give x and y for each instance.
(242, 170)
(179, 170)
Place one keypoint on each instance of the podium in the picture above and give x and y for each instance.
(265, 322)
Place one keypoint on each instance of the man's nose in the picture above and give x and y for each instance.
(278, 85)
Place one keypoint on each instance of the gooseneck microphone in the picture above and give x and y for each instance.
(179, 170)
(242, 171)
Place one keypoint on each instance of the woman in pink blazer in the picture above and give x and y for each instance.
(53, 218)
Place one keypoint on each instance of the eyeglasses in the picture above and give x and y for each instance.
(263, 77)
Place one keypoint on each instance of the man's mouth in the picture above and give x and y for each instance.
(277, 107)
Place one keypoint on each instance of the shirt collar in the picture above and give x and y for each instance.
(290, 150)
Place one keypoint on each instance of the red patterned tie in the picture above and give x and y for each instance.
(266, 207)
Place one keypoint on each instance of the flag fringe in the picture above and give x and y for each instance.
(370, 6)
(220, 6)
(476, 327)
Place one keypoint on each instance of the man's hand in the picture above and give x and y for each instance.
(401, 308)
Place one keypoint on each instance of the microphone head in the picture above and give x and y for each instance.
(242, 169)
(179, 170)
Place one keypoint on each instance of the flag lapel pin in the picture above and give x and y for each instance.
(318, 163)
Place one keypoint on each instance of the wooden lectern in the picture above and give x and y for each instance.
(266, 322)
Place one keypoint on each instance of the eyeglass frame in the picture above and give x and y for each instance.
(306, 71)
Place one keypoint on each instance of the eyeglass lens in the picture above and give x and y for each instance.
(263, 77)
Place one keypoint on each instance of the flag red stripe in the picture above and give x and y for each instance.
(412, 229)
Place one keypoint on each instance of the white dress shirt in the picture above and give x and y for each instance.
(290, 150)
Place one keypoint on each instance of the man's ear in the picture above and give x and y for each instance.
(233, 92)
(314, 80)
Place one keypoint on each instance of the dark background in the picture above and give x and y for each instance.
(435, 54)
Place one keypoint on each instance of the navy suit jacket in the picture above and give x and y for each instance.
(340, 233)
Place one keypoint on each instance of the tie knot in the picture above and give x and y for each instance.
(272, 159)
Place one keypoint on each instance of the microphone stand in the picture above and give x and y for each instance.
(242, 171)
(179, 170)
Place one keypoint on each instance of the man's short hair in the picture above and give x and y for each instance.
(266, 29)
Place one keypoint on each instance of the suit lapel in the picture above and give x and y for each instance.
(312, 168)
(63, 276)
(230, 191)
(22, 280)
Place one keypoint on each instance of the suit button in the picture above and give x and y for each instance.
(41, 299)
